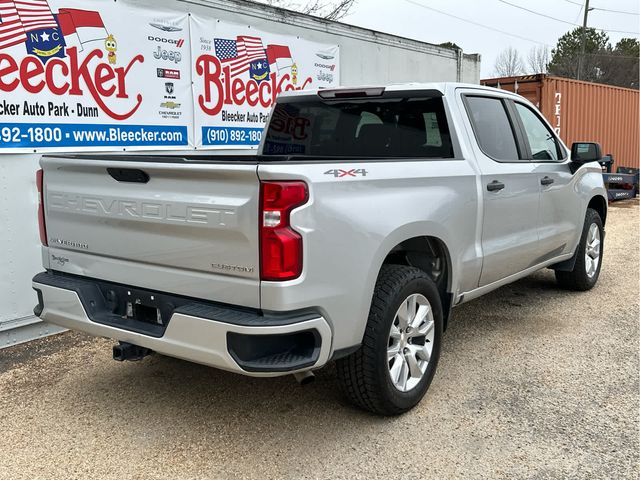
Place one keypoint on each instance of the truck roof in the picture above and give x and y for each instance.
(442, 87)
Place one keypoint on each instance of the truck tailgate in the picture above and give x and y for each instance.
(184, 228)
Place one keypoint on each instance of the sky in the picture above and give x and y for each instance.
(407, 19)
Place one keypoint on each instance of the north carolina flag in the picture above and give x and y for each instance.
(81, 26)
(280, 55)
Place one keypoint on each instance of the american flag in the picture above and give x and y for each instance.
(35, 14)
(239, 53)
(18, 17)
(11, 29)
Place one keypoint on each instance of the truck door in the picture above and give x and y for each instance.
(561, 214)
(510, 189)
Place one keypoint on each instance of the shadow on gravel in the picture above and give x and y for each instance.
(168, 387)
(165, 387)
(19, 355)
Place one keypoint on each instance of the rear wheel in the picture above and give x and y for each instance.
(393, 369)
(586, 270)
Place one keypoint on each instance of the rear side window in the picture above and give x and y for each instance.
(433, 129)
(492, 128)
(393, 127)
(542, 142)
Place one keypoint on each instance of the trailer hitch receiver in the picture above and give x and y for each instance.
(128, 351)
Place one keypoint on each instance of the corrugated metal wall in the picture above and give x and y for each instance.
(583, 111)
(590, 111)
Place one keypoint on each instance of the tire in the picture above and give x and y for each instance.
(580, 279)
(366, 375)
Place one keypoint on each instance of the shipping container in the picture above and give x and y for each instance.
(366, 57)
(584, 111)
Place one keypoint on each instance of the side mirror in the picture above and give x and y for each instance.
(585, 152)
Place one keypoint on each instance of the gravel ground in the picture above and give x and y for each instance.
(533, 383)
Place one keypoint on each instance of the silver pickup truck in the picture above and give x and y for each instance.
(368, 214)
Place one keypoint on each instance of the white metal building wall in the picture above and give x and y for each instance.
(19, 250)
(366, 57)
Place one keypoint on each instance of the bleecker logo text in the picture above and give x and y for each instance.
(221, 88)
(70, 76)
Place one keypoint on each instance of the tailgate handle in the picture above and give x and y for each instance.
(128, 175)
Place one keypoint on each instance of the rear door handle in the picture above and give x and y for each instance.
(495, 186)
(546, 181)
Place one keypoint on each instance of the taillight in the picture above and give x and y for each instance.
(41, 224)
(280, 245)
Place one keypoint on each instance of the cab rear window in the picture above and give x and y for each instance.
(395, 127)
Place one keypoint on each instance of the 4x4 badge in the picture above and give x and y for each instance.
(339, 173)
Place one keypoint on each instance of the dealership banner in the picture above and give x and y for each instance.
(81, 75)
(93, 74)
(85, 75)
(238, 71)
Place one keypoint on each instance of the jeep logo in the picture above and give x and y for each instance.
(170, 55)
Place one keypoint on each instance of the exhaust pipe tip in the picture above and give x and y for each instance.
(304, 378)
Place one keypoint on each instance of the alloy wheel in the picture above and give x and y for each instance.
(592, 250)
(410, 342)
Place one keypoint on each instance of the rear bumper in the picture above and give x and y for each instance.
(234, 339)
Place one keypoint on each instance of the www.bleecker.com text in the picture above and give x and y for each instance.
(51, 109)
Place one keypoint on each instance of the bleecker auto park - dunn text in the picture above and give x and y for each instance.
(37, 109)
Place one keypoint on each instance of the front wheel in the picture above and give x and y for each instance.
(586, 270)
(393, 368)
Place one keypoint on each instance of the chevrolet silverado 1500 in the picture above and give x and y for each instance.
(367, 215)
